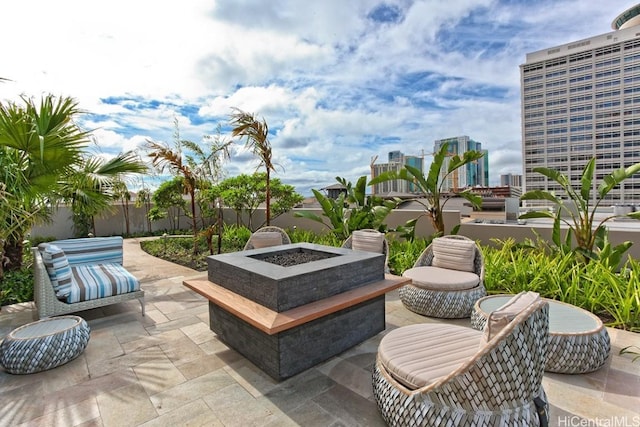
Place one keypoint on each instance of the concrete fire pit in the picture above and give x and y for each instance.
(287, 308)
(250, 274)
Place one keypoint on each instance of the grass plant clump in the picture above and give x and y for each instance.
(404, 253)
(612, 295)
(17, 285)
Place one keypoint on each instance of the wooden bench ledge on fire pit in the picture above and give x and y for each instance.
(271, 322)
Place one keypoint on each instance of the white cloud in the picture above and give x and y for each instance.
(336, 85)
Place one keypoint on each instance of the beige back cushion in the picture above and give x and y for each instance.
(367, 240)
(454, 254)
(265, 239)
(502, 316)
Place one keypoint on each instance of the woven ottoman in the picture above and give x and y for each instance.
(44, 344)
(578, 341)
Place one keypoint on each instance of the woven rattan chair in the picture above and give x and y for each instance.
(48, 304)
(476, 382)
(457, 292)
(269, 229)
(348, 244)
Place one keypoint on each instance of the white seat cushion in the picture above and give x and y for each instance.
(419, 355)
(441, 279)
(454, 254)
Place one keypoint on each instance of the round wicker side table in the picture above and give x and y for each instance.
(578, 341)
(44, 344)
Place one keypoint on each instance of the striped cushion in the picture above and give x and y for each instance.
(421, 354)
(266, 239)
(368, 241)
(92, 250)
(58, 269)
(454, 254)
(100, 280)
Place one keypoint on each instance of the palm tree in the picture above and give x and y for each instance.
(39, 143)
(187, 167)
(91, 187)
(256, 133)
(143, 200)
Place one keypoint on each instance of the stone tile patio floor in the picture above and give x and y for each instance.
(168, 369)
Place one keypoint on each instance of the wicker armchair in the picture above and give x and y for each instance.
(269, 229)
(44, 295)
(496, 382)
(348, 244)
(445, 292)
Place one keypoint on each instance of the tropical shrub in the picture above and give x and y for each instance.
(235, 237)
(39, 144)
(430, 186)
(615, 296)
(590, 235)
(404, 253)
(351, 211)
(17, 285)
(298, 235)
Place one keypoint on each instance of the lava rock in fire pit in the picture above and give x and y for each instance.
(288, 259)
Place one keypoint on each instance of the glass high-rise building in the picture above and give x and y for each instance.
(470, 175)
(582, 100)
(397, 161)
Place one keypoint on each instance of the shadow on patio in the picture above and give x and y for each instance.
(168, 368)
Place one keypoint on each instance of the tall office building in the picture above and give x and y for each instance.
(397, 160)
(582, 100)
(471, 175)
(512, 180)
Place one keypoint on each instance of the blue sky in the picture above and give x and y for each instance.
(338, 82)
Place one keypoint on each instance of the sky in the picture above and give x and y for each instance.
(339, 83)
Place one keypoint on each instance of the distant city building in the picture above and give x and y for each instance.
(582, 100)
(334, 190)
(510, 179)
(470, 175)
(397, 161)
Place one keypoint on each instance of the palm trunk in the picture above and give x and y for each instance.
(146, 215)
(268, 195)
(194, 223)
(125, 213)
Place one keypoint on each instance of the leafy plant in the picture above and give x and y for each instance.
(631, 349)
(17, 285)
(589, 233)
(168, 201)
(353, 210)
(39, 143)
(92, 184)
(431, 185)
(245, 193)
(615, 296)
(191, 168)
(404, 253)
(235, 237)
